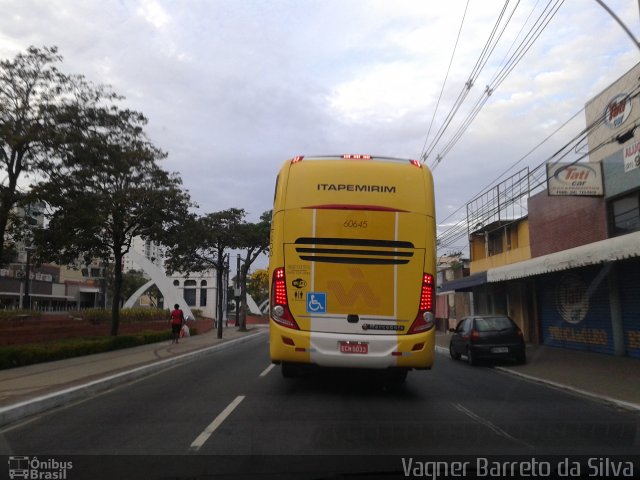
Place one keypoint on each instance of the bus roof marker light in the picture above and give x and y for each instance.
(415, 163)
(349, 156)
(297, 159)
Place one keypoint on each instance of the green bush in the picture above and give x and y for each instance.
(133, 315)
(15, 314)
(20, 355)
(98, 316)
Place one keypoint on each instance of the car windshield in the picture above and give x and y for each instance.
(493, 324)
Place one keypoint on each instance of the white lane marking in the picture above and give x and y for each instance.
(267, 370)
(489, 425)
(204, 436)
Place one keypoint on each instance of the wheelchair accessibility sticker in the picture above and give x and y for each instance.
(316, 302)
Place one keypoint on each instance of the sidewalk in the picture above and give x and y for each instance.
(606, 378)
(35, 388)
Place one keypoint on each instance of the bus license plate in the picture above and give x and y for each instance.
(350, 347)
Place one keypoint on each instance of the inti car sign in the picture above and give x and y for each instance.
(574, 179)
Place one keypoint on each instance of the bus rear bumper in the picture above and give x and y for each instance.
(352, 351)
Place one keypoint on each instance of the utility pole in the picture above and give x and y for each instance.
(236, 291)
(220, 275)
(27, 274)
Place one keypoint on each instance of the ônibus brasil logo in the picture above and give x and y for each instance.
(38, 469)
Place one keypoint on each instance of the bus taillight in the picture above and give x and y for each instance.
(425, 320)
(279, 304)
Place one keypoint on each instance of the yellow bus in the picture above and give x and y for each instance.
(352, 264)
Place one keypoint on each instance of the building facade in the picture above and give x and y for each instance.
(580, 286)
(151, 250)
(200, 291)
(452, 306)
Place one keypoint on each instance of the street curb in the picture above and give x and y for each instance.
(577, 391)
(34, 406)
(600, 398)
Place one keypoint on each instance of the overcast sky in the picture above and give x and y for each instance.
(232, 88)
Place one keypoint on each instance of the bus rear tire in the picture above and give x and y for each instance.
(289, 370)
(397, 376)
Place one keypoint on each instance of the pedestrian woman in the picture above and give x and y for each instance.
(177, 320)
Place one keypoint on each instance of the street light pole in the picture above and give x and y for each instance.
(622, 25)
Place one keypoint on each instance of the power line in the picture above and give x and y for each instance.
(446, 77)
(521, 159)
(465, 90)
(576, 140)
(460, 229)
(540, 24)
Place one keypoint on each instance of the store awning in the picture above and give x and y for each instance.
(609, 250)
(89, 290)
(464, 284)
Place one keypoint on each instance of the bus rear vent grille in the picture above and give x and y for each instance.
(354, 250)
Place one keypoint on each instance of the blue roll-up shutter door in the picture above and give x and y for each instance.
(568, 320)
(629, 286)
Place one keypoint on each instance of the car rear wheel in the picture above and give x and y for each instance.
(471, 357)
(454, 355)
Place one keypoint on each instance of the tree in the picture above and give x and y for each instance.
(37, 103)
(200, 244)
(107, 189)
(253, 238)
(131, 282)
(258, 285)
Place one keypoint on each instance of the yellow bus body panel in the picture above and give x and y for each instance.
(358, 235)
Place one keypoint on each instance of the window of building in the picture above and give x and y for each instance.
(495, 241)
(203, 297)
(625, 214)
(189, 292)
(203, 293)
(176, 283)
(511, 235)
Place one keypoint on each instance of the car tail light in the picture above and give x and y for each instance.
(279, 304)
(475, 335)
(425, 320)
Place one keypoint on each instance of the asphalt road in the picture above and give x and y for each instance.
(233, 402)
